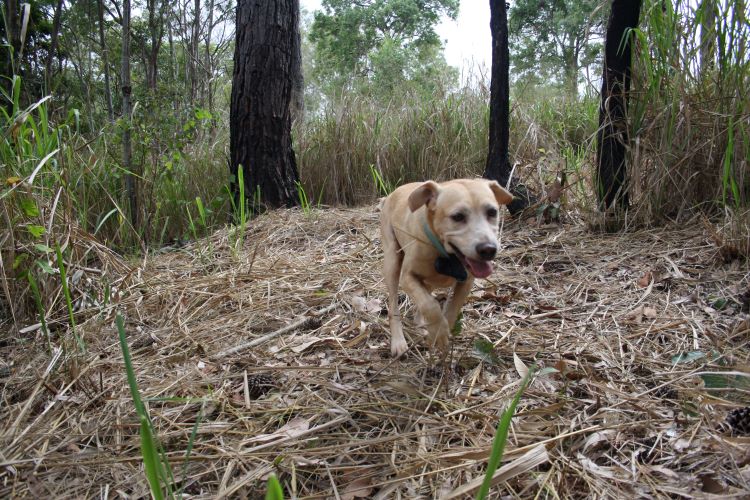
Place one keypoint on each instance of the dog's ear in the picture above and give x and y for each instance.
(424, 195)
(502, 195)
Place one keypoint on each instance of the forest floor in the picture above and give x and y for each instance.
(648, 332)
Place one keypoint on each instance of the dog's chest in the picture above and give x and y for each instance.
(439, 281)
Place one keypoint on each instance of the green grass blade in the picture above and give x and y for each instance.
(39, 306)
(189, 450)
(151, 461)
(68, 301)
(156, 472)
(501, 436)
(273, 490)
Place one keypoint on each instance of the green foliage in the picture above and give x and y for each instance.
(273, 489)
(383, 187)
(501, 437)
(485, 351)
(692, 92)
(68, 300)
(380, 47)
(553, 41)
(155, 462)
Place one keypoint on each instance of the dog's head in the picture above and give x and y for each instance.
(464, 216)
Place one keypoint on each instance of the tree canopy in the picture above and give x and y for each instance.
(380, 45)
(552, 41)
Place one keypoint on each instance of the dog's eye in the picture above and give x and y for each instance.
(459, 217)
(491, 213)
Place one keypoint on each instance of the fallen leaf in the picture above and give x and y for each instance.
(360, 304)
(649, 312)
(710, 485)
(645, 279)
(312, 341)
(359, 488)
(598, 437)
(293, 428)
(521, 367)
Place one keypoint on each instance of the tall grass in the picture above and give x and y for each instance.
(690, 108)
(357, 147)
(55, 182)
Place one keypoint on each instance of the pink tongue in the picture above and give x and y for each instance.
(479, 268)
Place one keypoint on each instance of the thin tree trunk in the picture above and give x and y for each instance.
(208, 63)
(131, 186)
(14, 36)
(105, 62)
(174, 67)
(708, 36)
(298, 85)
(612, 136)
(195, 32)
(53, 43)
(156, 31)
(498, 165)
(260, 119)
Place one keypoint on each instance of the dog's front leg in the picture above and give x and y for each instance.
(429, 307)
(458, 298)
(392, 272)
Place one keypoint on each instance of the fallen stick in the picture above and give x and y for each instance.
(272, 335)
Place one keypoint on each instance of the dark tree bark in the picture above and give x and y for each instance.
(105, 61)
(53, 43)
(498, 165)
(260, 118)
(613, 137)
(193, 57)
(131, 186)
(13, 17)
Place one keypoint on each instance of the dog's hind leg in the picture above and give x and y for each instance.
(392, 259)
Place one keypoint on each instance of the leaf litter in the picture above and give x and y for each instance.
(639, 368)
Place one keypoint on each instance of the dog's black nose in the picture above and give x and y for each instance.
(486, 251)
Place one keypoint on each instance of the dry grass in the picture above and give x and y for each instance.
(342, 419)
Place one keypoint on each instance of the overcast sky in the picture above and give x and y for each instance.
(468, 43)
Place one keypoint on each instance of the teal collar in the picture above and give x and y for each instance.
(447, 264)
(434, 239)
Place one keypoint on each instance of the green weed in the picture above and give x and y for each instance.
(155, 462)
(501, 436)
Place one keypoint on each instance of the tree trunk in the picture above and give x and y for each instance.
(298, 84)
(260, 119)
(612, 137)
(194, 43)
(571, 72)
(498, 165)
(131, 186)
(156, 31)
(14, 36)
(53, 44)
(174, 66)
(708, 36)
(208, 63)
(105, 62)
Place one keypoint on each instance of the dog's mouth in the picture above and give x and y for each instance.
(479, 268)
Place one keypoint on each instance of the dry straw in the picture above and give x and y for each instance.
(637, 325)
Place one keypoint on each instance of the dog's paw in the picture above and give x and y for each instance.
(398, 347)
(442, 342)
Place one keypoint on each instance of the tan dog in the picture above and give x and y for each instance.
(416, 220)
